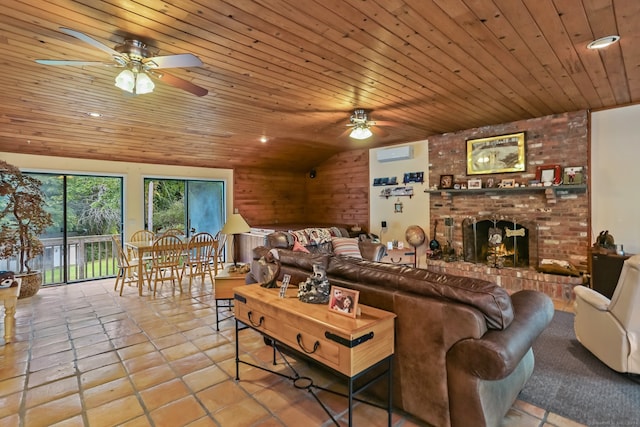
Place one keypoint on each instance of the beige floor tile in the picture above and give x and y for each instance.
(145, 361)
(221, 395)
(107, 392)
(51, 374)
(51, 391)
(76, 421)
(102, 375)
(135, 350)
(12, 385)
(164, 393)
(191, 363)
(10, 404)
(178, 413)
(152, 376)
(115, 413)
(53, 411)
(206, 377)
(243, 413)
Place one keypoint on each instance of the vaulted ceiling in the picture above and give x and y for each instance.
(293, 71)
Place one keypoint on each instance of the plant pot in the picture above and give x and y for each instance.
(31, 283)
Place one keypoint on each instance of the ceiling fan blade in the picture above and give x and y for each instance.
(172, 61)
(75, 63)
(95, 43)
(180, 83)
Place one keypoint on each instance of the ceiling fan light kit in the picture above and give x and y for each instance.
(138, 63)
(361, 132)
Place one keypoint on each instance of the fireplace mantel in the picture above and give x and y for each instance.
(551, 192)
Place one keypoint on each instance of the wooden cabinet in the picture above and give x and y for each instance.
(605, 271)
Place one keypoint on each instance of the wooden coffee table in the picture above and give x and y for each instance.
(223, 287)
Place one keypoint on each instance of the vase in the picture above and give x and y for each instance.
(31, 283)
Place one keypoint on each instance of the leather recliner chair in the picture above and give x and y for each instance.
(610, 329)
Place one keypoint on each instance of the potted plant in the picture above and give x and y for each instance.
(23, 219)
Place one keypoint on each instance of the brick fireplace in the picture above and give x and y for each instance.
(555, 220)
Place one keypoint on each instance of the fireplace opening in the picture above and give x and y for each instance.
(495, 242)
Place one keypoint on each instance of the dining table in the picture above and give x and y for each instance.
(145, 249)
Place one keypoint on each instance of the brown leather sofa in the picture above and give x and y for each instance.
(463, 346)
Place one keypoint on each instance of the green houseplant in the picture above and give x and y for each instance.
(23, 220)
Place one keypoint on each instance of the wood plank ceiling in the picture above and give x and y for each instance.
(293, 71)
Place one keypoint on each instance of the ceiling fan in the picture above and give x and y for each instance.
(362, 126)
(138, 63)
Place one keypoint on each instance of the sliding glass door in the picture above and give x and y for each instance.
(192, 206)
(86, 211)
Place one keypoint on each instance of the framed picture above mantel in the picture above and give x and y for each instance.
(496, 154)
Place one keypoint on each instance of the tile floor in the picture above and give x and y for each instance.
(84, 356)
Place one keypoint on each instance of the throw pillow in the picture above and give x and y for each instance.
(297, 247)
(346, 246)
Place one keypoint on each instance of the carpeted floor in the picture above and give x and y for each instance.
(570, 381)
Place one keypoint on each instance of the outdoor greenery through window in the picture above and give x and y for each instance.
(86, 211)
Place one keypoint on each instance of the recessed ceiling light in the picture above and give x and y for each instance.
(93, 114)
(603, 42)
(263, 139)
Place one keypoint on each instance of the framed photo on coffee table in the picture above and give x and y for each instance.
(343, 301)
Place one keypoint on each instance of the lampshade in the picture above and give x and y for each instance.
(360, 132)
(143, 83)
(235, 225)
(126, 80)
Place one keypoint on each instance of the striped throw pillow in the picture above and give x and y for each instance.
(345, 246)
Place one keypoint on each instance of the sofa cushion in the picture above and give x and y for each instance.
(345, 246)
(302, 260)
(280, 240)
(490, 299)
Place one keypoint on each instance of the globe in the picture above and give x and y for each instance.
(415, 235)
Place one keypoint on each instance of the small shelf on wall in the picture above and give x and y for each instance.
(551, 192)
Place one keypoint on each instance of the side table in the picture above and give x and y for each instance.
(223, 287)
(10, 298)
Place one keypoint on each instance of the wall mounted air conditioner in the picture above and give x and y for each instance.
(397, 153)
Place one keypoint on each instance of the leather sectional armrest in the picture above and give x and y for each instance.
(497, 353)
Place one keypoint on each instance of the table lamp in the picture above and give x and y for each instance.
(235, 225)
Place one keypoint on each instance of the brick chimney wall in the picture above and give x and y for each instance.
(561, 218)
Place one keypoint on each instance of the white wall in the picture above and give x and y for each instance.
(415, 209)
(615, 175)
(133, 173)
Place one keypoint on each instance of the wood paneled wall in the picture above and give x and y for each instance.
(267, 196)
(340, 191)
(338, 194)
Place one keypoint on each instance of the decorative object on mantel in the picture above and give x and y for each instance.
(413, 177)
(549, 175)
(475, 183)
(496, 154)
(446, 181)
(573, 175)
(315, 290)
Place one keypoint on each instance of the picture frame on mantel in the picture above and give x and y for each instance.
(496, 154)
(549, 174)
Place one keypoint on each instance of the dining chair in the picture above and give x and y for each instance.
(141, 236)
(200, 257)
(166, 255)
(127, 267)
(222, 240)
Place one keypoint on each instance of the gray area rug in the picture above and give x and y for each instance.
(568, 380)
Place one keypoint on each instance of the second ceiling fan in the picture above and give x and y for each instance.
(138, 63)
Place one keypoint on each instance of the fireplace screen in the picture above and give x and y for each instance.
(497, 243)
